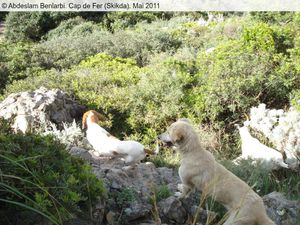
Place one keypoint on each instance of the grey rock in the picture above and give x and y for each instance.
(40, 107)
(281, 210)
(172, 211)
(134, 186)
(136, 211)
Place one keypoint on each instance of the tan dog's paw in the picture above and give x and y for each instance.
(180, 187)
(177, 194)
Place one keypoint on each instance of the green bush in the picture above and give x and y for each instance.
(241, 73)
(3, 15)
(199, 37)
(73, 27)
(123, 198)
(273, 17)
(39, 179)
(35, 25)
(69, 47)
(16, 62)
(120, 20)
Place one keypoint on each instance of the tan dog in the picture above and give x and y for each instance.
(199, 170)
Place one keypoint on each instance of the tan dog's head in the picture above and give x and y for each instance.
(178, 133)
(93, 116)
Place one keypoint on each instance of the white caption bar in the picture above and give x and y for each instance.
(149, 5)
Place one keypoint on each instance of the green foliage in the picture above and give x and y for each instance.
(73, 27)
(295, 99)
(264, 181)
(16, 62)
(39, 178)
(33, 26)
(123, 198)
(273, 17)
(68, 46)
(155, 99)
(3, 15)
(241, 73)
(162, 192)
(120, 20)
(200, 37)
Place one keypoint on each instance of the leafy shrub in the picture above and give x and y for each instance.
(62, 51)
(33, 26)
(241, 73)
(71, 135)
(3, 15)
(72, 27)
(273, 17)
(264, 37)
(40, 179)
(120, 20)
(36, 24)
(202, 37)
(155, 100)
(16, 62)
(123, 198)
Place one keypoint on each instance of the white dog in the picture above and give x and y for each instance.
(108, 145)
(254, 149)
(200, 170)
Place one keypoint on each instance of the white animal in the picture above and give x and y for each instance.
(254, 149)
(106, 144)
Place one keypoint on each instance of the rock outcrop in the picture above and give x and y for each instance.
(31, 109)
(131, 191)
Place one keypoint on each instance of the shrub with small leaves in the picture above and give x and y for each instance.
(39, 179)
(71, 135)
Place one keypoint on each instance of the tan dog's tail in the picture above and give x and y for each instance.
(98, 115)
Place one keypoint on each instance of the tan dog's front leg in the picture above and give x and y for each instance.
(184, 191)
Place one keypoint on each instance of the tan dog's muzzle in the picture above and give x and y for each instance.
(166, 139)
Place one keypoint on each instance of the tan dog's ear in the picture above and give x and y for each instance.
(178, 137)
